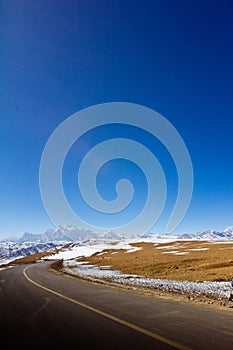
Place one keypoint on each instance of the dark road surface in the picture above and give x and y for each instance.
(43, 309)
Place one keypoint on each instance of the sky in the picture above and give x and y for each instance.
(59, 57)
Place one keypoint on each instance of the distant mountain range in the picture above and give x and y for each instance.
(209, 234)
(70, 233)
(67, 233)
(12, 250)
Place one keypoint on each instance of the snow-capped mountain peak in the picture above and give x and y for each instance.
(210, 234)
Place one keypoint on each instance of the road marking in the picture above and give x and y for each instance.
(109, 316)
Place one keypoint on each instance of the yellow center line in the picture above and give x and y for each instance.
(109, 316)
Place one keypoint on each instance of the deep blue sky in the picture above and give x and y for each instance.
(58, 57)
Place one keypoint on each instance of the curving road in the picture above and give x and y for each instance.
(41, 308)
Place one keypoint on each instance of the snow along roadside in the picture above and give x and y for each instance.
(214, 290)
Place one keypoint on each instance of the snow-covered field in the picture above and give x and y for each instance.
(80, 250)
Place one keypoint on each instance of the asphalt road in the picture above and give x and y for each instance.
(43, 309)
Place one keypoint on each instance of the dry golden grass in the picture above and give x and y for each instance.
(180, 260)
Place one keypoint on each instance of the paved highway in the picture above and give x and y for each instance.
(41, 308)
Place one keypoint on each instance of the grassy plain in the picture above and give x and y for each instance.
(180, 260)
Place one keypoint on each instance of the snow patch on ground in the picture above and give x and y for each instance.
(134, 249)
(197, 249)
(156, 240)
(82, 250)
(76, 252)
(167, 247)
(182, 253)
